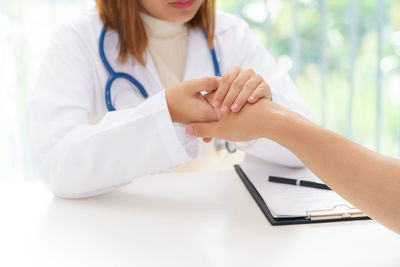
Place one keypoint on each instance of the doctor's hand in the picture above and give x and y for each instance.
(238, 86)
(252, 122)
(186, 103)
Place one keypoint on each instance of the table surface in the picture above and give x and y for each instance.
(188, 219)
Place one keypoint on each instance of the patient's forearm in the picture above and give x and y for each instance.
(365, 178)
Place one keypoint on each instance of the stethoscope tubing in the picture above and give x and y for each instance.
(120, 75)
(115, 75)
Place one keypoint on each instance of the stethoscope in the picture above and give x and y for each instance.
(113, 75)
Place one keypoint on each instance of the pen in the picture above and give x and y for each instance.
(298, 182)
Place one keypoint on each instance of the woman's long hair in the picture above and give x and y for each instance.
(123, 17)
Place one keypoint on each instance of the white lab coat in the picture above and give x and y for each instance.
(80, 149)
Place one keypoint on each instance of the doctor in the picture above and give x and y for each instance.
(118, 86)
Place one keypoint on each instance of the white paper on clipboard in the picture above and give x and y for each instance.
(288, 201)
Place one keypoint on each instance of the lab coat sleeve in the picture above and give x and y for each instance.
(253, 55)
(78, 158)
(190, 143)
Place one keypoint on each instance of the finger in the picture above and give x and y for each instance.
(263, 90)
(201, 129)
(209, 97)
(235, 90)
(203, 84)
(248, 90)
(224, 85)
(210, 91)
(207, 113)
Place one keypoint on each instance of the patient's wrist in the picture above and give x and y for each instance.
(288, 126)
(276, 121)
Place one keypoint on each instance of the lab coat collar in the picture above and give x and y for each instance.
(224, 21)
(198, 61)
(146, 75)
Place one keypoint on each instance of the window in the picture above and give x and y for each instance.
(344, 57)
(26, 27)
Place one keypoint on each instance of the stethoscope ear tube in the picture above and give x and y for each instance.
(102, 53)
(110, 80)
(115, 75)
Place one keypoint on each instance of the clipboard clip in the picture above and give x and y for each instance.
(340, 211)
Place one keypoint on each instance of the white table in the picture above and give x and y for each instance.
(198, 219)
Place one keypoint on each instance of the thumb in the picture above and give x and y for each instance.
(201, 129)
(209, 84)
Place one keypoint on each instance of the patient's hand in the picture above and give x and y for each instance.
(252, 122)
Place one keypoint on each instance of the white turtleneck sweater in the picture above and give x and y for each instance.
(168, 49)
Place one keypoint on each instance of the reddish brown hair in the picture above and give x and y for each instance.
(123, 17)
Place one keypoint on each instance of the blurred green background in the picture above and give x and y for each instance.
(331, 50)
(344, 56)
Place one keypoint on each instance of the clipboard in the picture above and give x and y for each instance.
(313, 216)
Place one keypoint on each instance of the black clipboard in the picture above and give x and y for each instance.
(282, 221)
